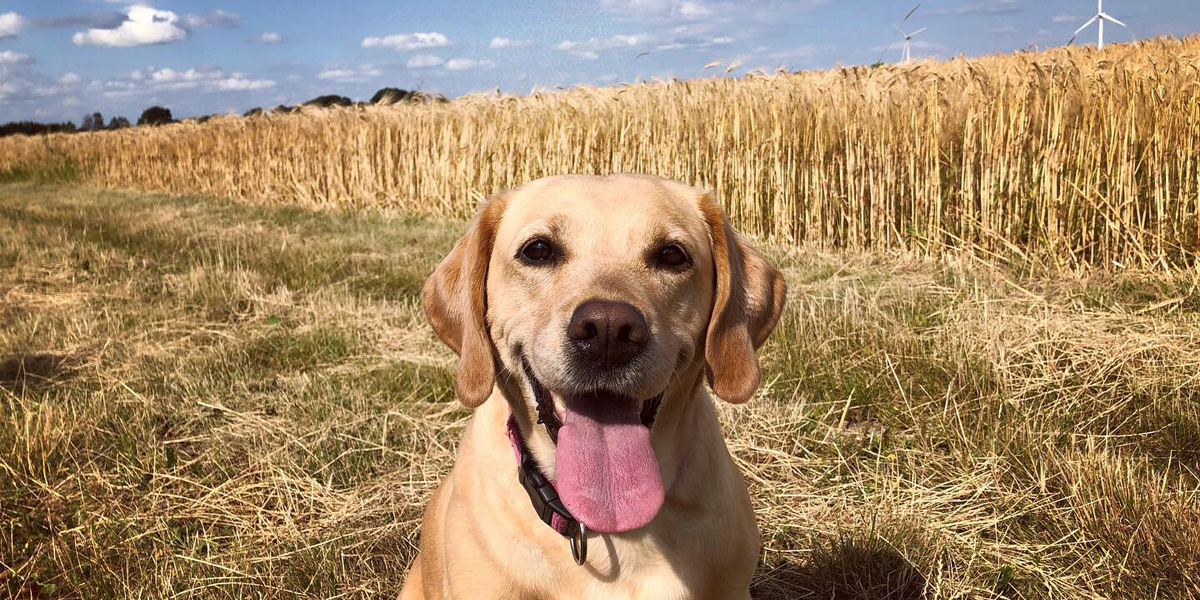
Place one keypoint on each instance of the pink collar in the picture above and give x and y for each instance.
(544, 496)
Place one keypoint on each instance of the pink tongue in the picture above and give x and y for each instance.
(607, 473)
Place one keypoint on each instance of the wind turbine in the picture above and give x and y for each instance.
(1100, 17)
(908, 41)
(907, 52)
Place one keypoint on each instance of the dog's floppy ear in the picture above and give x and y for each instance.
(747, 301)
(455, 300)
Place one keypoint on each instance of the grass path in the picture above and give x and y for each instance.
(206, 399)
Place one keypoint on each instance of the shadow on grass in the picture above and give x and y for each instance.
(31, 372)
(844, 568)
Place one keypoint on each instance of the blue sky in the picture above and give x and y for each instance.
(62, 58)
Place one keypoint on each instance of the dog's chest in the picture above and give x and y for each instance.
(640, 578)
(644, 569)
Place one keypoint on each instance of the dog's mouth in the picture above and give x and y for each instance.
(607, 473)
(552, 407)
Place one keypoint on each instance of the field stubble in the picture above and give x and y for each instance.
(207, 399)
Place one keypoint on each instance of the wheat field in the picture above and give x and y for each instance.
(1065, 158)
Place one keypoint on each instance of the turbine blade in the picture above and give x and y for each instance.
(910, 13)
(900, 30)
(913, 34)
(1110, 18)
(1086, 25)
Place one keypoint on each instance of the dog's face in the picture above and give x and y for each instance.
(600, 288)
(600, 295)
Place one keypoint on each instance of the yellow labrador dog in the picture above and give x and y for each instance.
(586, 312)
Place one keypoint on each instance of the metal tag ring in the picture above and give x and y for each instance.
(579, 543)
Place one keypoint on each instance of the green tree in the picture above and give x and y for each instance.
(155, 115)
(391, 95)
(330, 100)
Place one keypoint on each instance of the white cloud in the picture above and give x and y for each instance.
(171, 75)
(408, 41)
(462, 64)
(268, 37)
(694, 10)
(424, 61)
(8, 57)
(10, 24)
(153, 81)
(702, 43)
(590, 49)
(727, 13)
(694, 25)
(336, 74)
(503, 42)
(685, 10)
(1067, 18)
(145, 26)
(239, 83)
(213, 18)
(69, 79)
(350, 75)
(177, 86)
(70, 101)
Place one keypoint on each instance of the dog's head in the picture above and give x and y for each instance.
(603, 294)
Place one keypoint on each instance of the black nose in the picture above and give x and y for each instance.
(607, 333)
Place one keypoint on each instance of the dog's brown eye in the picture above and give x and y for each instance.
(672, 256)
(537, 251)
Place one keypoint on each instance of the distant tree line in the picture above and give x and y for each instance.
(385, 96)
(159, 115)
(31, 128)
(90, 122)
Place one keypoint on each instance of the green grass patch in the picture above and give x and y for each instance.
(57, 171)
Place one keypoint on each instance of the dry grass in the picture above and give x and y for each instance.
(204, 399)
(1065, 157)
